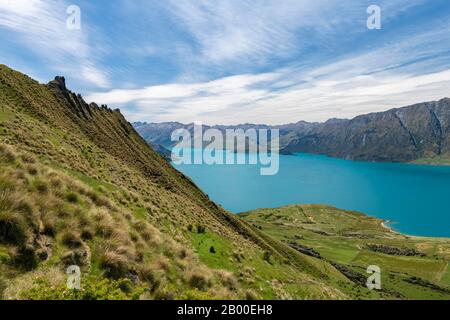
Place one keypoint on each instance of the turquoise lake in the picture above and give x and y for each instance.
(415, 198)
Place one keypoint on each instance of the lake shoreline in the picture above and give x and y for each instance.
(400, 192)
(385, 225)
(414, 162)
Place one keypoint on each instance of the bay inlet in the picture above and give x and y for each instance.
(414, 198)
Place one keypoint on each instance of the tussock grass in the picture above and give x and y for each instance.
(7, 154)
(71, 239)
(115, 265)
(6, 185)
(148, 233)
(72, 197)
(12, 228)
(7, 200)
(47, 217)
(228, 279)
(162, 263)
(199, 278)
(79, 257)
(32, 169)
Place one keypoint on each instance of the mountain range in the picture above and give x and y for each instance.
(420, 133)
(80, 187)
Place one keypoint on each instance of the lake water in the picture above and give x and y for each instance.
(416, 198)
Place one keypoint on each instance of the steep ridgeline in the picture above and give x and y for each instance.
(407, 134)
(79, 186)
(416, 133)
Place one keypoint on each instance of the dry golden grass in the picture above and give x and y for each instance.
(227, 279)
(115, 265)
(19, 285)
(200, 278)
(71, 239)
(47, 216)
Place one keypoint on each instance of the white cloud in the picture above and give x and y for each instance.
(41, 26)
(228, 30)
(229, 101)
(222, 36)
(95, 76)
(254, 31)
(384, 78)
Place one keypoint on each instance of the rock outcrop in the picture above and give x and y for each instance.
(401, 135)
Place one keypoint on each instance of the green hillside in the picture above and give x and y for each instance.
(79, 186)
(412, 267)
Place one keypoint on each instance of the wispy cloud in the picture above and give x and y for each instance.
(247, 98)
(40, 26)
(242, 31)
(229, 61)
(369, 81)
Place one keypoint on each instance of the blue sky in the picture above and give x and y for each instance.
(235, 61)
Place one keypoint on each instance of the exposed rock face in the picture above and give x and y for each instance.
(158, 133)
(305, 250)
(394, 251)
(166, 154)
(59, 82)
(405, 134)
(426, 284)
(400, 135)
(75, 101)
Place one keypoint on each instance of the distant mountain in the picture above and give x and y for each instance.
(420, 132)
(406, 134)
(158, 133)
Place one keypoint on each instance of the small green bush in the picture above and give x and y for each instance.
(195, 294)
(4, 257)
(12, 229)
(3, 286)
(201, 229)
(72, 197)
(267, 256)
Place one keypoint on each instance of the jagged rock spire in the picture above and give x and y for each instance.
(59, 82)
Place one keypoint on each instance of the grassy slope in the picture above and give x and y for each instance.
(78, 185)
(342, 236)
